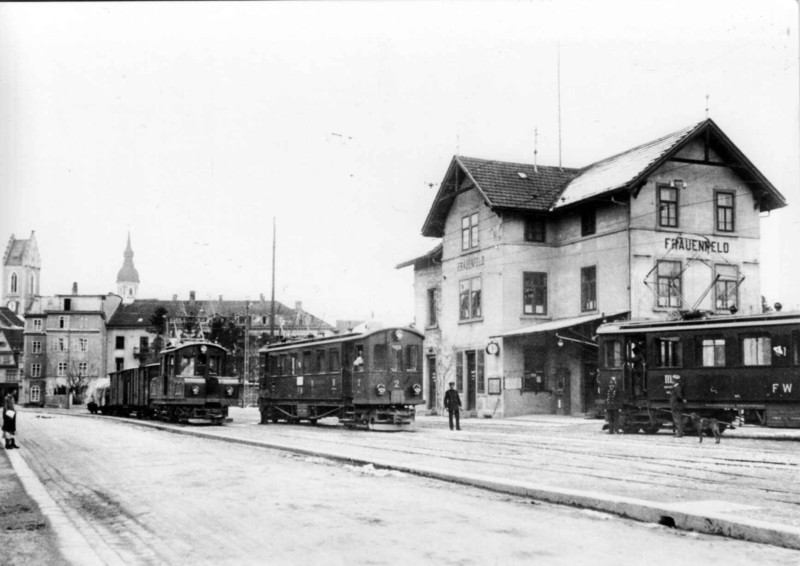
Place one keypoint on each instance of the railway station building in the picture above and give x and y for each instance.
(531, 259)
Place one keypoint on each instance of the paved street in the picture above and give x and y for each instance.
(140, 495)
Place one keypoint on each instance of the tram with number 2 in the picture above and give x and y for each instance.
(372, 379)
(730, 367)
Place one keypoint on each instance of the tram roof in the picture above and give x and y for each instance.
(711, 322)
(335, 339)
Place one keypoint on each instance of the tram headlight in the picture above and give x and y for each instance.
(229, 391)
(381, 389)
(417, 389)
(196, 390)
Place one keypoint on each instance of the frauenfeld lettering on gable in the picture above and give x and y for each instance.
(696, 245)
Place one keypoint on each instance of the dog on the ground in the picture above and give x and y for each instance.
(702, 424)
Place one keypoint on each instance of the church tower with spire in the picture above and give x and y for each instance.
(128, 277)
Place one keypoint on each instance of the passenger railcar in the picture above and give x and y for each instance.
(189, 384)
(372, 379)
(729, 367)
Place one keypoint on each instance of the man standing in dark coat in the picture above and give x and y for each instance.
(452, 402)
(676, 402)
(612, 405)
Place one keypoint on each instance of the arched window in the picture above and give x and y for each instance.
(13, 284)
(35, 394)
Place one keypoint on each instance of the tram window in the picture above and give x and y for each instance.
(306, 368)
(187, 366)
(381, 357)
(669, 352)
(781, 348)
(396, 357)
(293, 364)
(712, 352)
(756, 351)
(320, 361)
(412, 357)
(274, 366)
(360, 359)
(213, 365)
(613, 353)
(333, 360)
(283, 366)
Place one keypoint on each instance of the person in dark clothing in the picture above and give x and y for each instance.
(9, 422)
(612, 405)
(452, 402)
(676, 402)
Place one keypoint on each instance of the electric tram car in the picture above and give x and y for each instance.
(371, 380)
(189, 384)
(730, 367)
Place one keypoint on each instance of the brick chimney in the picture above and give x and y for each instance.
(191, 297)
(75, 288)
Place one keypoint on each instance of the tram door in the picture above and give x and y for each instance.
(472, 379)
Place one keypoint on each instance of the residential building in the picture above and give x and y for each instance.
(65, 345)
(11, 351)
(533, 258)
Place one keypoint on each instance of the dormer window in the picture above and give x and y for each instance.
(588, 222)
(535, 230)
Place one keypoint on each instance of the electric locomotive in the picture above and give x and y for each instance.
(730, 367)
(371, 380)
(189, 384)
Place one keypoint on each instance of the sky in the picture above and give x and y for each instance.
(195, 126)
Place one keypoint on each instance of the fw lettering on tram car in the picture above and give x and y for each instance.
(787, 387)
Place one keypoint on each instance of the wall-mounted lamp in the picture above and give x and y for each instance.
(560, 342)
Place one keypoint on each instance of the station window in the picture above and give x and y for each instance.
(36, 370)
(726, 286)
(433, 317)
(470, 299)
(712, 352)
(469, 232)
(588, 288)
(36, 347)
(534, 293)
(668, 283)
(61, 369)
(36, 393)
(669, 352)
(588, 222)
(756, 350)
(613, 353)
(668, 206)
(119, 343)
(535, 230)
(37, 325)
(725, 209)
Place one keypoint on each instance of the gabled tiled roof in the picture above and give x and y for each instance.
(501, 182)
(525, 188)
(619, 170)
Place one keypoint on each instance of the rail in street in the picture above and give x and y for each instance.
(743, 488)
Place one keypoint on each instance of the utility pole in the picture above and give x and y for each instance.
(272, 301)
(246, 371)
